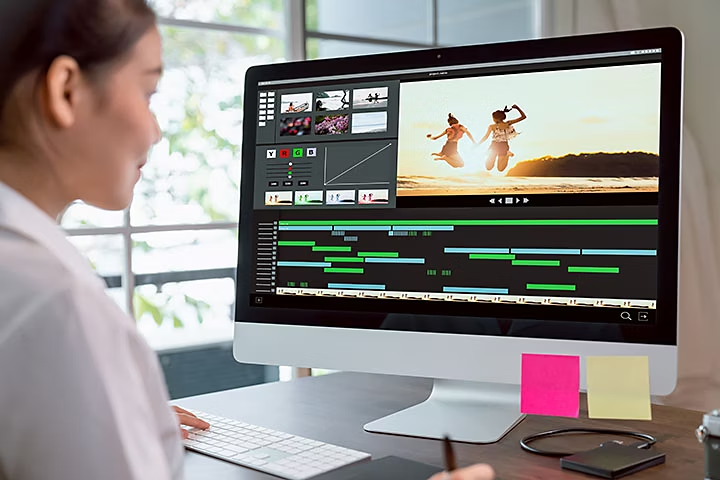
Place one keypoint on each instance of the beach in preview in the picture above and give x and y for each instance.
(480, 184)
(584, 173)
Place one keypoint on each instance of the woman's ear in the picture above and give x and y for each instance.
(62, 91)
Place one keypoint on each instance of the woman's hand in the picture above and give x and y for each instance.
(515, 106)
(429, 135)
(190, 420)
(475, 472)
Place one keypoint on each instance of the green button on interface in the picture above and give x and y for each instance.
(297, 152)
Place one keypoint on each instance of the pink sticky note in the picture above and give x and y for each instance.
(550, 385)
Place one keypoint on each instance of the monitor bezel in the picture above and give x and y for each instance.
(669, 39)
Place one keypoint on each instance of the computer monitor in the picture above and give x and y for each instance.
(377, 236)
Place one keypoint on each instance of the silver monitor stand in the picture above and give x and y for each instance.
(470, 412)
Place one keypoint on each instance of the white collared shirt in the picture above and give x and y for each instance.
(82, 396)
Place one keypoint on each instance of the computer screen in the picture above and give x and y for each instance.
(440, 213)
(518, 189)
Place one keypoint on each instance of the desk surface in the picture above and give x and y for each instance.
(334, 408)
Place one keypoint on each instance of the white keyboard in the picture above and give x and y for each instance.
(270, 451)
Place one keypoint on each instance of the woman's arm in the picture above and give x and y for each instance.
(429, 135)
(522, 115)
(469, 134)
(487, 134)
(104, 375)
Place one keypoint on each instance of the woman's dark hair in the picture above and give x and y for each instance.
(452, 120)
(500, 115)
(93, 32)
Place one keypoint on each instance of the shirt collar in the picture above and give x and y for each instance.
(18, 214)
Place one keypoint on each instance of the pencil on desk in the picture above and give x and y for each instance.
(448, 454)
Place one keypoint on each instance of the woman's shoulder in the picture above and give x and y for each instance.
(30, 272)
(27, 266)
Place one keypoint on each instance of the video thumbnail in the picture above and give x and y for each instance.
(278, 198)
(296, 103)
(331, 100)
(295, 126)
(586, 130)
(309, 198)
(373, 197)
(340, 197)
(370, 122)
(331, 124)
(376, 97)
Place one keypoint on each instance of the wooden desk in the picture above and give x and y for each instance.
(335, 407)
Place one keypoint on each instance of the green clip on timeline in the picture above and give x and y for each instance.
(618, 388)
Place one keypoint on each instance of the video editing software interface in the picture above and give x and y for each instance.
(531, 185)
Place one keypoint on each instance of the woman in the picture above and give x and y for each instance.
(449, 152)
(82, 396)
(475, 472)
(502, 132)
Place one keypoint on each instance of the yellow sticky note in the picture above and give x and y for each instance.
(618, 388)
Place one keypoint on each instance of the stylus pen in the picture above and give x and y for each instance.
(448, 454)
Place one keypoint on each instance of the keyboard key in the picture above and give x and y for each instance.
(236, 448)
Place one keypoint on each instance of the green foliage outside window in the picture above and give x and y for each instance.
(193, 175)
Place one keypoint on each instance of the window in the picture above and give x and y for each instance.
(169, 259)
(335, 28)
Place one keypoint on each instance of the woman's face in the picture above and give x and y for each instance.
(108, 144)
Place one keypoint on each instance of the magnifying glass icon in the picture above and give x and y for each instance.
(625, 315)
